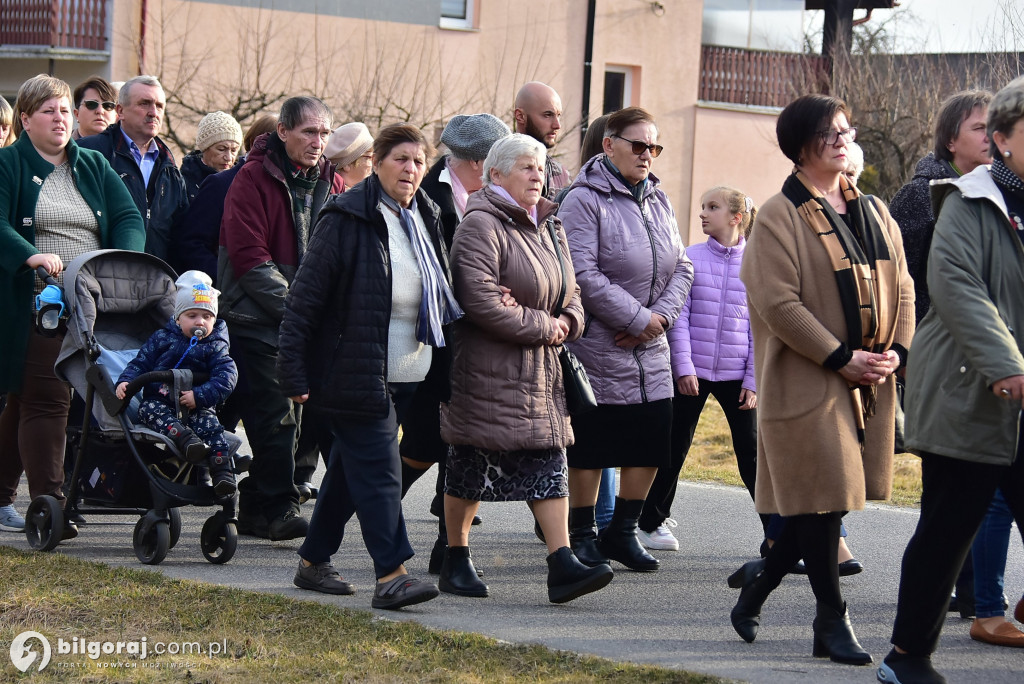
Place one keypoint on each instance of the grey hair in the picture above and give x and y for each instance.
(125, 93)
(855, 158)
(1006, 109)
(505, 152)
(295, 110)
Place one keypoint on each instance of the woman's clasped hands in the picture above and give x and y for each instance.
(868, 368)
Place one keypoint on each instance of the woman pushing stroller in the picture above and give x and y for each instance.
(193, 340)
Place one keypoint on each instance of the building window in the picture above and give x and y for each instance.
(619, 88)
(458, 14)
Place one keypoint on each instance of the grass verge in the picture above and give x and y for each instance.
(711, 459)
(262, 637)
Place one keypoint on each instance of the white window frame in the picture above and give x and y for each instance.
(627, 85)
(467, 24)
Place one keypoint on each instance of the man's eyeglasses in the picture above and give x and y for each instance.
(91, 105)
(831, 137)
(639, 147)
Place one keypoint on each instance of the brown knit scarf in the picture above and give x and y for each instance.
(867, 274)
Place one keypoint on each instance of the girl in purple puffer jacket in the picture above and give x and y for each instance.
(712, 354)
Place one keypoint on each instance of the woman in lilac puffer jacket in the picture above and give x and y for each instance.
(712, 354)
(634, 276)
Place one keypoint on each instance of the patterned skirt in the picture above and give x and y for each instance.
(484, 475)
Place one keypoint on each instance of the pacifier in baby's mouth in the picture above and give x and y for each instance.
(198, 331)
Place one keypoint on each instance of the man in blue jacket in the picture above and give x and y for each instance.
(143, 161)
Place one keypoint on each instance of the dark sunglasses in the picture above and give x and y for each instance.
(639, 147)
(91, 105)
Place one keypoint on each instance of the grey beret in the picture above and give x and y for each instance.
(470, 136)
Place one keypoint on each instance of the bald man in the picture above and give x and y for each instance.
(538, 114)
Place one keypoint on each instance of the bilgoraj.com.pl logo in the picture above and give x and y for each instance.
(32, 650)
(24, 654)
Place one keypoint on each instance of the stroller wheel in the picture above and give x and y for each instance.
(175, 528)
(44, 523)
(151, 540)
(219, 539)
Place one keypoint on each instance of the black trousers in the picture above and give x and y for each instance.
(363, 478)
(269, 420)
(686, 412)
(313, 441)
(955, 497)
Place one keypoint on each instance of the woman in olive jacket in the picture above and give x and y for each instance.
(57, 201)
(965, 386)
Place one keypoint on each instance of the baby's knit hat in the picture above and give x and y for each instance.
(217, 126)
(195, 291)
(470, 136)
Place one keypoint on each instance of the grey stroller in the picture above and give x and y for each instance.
(116, 299)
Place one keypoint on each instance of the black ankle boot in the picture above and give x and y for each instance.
(583, 536)
(192, 449)
(568, 578)
(458, 576)
(220, 472)
(746, 615)
(619, 542)
(834, 638)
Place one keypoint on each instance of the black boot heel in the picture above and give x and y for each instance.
(747, 572)
(834, 638)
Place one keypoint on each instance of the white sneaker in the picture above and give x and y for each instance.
(10, 521)
(661, 538)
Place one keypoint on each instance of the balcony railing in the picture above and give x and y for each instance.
(54, 23)
(758, 77)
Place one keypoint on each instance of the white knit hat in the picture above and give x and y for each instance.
(348, 143)
(195, 291)
(217, 126)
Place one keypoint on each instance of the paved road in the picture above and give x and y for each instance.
(678, 617)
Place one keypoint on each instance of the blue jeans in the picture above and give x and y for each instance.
(606, 498)
(989, 555)
(364, 477)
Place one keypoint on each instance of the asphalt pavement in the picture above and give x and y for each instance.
(677, 617)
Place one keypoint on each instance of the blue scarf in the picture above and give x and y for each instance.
(438, 307)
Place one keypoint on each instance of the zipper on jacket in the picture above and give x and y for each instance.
(643, 386)
(654, 253)
(650, 296)
(722, 303)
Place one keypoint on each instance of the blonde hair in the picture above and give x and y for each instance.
(6, 119)
(34, 92)
(737, 202)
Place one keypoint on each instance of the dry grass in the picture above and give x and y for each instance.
(262, 637)
(711, 459)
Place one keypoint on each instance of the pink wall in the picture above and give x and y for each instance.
(734, 147)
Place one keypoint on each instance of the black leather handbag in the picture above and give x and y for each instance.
(579, 395)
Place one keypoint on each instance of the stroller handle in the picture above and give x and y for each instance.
(45, 276)
(156, 376)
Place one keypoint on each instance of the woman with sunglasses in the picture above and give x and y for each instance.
(634, 277)
(831, 309)
(95, 106)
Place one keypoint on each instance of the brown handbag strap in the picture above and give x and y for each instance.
(561, 266)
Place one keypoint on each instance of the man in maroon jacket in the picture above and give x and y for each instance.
(269, 214)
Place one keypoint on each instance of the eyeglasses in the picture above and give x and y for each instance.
(831, 136)
(640, 147)
(91, 105)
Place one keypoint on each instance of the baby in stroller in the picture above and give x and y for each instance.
(195, 339)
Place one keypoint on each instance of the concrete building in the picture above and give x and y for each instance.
(424, 61)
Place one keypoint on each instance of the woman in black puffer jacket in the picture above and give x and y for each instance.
(365, 310)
